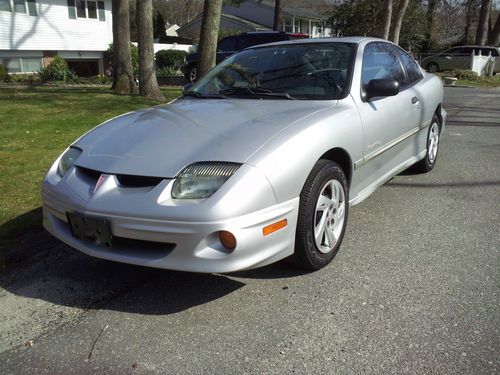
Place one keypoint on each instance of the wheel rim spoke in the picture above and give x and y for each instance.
(329, 216)
(433, 142)
(319, 230)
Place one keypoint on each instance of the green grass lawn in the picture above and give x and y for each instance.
(481, 82)
(36, 125)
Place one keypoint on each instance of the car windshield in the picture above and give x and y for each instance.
(319, 71)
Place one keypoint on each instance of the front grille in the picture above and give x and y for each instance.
(124, 180)
(90, 173)
(137, 181)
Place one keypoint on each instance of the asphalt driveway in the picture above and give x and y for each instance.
(414, 289)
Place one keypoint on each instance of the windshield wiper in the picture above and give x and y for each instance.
(255, 91)
(196, 94)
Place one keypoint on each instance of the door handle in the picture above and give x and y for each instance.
(415, 100)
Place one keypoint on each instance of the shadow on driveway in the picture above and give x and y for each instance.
(38, 266)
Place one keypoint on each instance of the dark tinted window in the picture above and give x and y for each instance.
(255, 39)
(380, 61)
(319, 71)
(487, 51)
(227, 44)
(412, 70)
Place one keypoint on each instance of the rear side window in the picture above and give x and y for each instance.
(487, 51)
(250, 40)
(227, 44)
(413, 72)
(380, 61)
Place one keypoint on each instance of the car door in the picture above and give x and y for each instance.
(460, 58)
(389, 123)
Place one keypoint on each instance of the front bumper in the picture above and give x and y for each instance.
(161, 241)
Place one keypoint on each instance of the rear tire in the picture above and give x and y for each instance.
(322, 220)
(432, 67)
(433, 136)
(192, 73)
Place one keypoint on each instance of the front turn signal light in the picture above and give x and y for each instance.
(266, 231)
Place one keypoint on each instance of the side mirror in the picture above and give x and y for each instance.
(381, 87)
(187, 87)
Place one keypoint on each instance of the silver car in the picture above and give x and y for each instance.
(459, 58)
(260, 160)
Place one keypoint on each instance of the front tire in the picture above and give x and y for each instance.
(433, 136)
(323, 212)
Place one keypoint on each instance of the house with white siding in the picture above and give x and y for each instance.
(32, 32)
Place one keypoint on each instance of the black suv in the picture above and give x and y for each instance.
(234, 43)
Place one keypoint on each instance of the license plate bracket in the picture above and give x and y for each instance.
(91, 229)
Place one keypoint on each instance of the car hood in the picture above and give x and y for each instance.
(161, 141)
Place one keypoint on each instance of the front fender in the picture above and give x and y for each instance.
(287, 159)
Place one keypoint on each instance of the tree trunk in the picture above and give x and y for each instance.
(482, 24)
(278, 15)
(385, 25)
(209, 32)
(469, 18)
(431, 9)
(494, 35)
(148, 85)
(123, 75)
(399, 21)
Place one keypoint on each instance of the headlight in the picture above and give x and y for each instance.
(68, 160)
(202, 180)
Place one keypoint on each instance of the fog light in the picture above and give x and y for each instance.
(227, 240)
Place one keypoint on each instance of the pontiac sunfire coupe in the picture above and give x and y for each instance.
(258, 161)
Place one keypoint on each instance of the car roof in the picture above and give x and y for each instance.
(475, 46)
(349, 39)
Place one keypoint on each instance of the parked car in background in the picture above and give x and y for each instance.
(260, 160)
(459, 58)
(234, 43)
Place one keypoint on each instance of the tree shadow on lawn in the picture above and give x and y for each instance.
(38, 266)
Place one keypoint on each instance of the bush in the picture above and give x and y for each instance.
(57, 71)
(4, 75)
(100, 80)
(465, 74)
(168, 71)
(24, 78)
(134, 54)
(169, 58)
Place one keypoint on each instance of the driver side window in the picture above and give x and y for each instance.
(381, 62)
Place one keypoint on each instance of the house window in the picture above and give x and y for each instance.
(92, 9)
(102, 13)
(86, 9)
(31, 64)
(71, 9)
(32, 8)
(23, 64)
(80, 9)
(5, 5)
(19, 6)
(288, 26)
